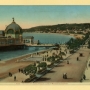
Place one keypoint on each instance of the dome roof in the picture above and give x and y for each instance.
(14, 26)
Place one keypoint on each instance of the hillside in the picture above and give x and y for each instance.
(59, 27)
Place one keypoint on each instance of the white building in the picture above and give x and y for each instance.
(28, 40)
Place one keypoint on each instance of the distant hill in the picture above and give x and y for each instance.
(49, 28)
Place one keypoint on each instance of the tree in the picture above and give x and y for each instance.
(31, 69)
(51, 59)
(42, 65)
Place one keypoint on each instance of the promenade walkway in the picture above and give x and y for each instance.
(74, 70)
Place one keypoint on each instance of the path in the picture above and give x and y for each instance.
(74, 70)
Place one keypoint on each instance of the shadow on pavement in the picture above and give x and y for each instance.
(43, 79)
(69, 78)
(51, 72)
(60, 66)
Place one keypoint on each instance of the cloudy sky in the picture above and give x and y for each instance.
(32, 15)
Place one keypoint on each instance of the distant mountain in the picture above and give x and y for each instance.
(49, 28)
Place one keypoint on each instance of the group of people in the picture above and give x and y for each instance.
(10, 75)
(22, 71)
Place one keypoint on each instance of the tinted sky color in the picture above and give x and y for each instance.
(30, 16)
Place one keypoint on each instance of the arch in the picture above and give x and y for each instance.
(10, 31)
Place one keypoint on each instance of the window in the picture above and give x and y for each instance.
(10, 31)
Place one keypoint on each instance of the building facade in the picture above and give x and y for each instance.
(28, 40)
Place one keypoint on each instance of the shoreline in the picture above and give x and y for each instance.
(26, 55)
(66, 34)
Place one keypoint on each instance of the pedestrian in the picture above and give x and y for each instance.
(66, 76)
(9, 73)
(43, 58)
(77, 58)
(14, 78)
(84, 76)
(19, 70)
(22, 70)
(67, 62)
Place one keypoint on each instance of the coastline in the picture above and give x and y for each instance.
(26, 55)
(66, 34)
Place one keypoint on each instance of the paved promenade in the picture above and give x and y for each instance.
(74, 70)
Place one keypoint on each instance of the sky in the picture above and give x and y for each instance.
(28, 16)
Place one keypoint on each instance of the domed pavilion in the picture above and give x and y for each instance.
(12, 39)
(13, 30)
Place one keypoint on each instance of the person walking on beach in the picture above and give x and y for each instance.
(14, 78)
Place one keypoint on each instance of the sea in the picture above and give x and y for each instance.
(44, 38)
